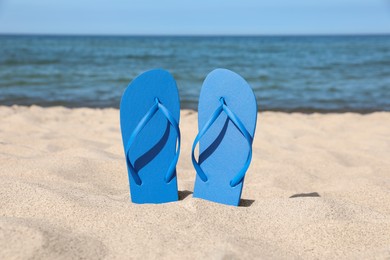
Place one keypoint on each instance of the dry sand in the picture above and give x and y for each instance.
(318, 187)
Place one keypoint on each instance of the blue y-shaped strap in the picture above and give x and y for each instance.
(144, 121)
(240, 126)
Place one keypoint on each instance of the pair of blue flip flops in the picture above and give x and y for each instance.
(149, 118)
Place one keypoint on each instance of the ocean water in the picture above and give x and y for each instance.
(289, 73)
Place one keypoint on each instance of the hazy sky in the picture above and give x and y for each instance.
(195, 16)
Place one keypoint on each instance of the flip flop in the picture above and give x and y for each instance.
(227, 114)
(149, 118)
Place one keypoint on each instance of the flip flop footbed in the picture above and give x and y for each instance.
(223, 150)
(154, 147)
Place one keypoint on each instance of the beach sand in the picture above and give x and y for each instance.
(318, 187)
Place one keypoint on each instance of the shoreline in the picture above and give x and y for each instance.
(285, 111)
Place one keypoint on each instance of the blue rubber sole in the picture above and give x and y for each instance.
(223, 149)
(154, 147)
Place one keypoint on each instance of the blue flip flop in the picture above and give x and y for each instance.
(227, 114)
(149, 118)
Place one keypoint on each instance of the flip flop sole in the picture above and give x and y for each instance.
(223, 149)
(154, 147)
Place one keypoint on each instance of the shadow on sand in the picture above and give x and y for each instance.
(246, 203)
(184, 194)
(243, 202)
(302, 195)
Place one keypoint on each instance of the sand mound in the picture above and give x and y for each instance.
(318, 187)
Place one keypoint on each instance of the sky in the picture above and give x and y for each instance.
(194, 17)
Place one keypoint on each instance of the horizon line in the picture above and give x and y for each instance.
(196, 35)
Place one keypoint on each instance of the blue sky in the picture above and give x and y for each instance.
(189, 17)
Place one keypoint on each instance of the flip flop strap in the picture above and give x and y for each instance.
(240, 126)
(158, 106)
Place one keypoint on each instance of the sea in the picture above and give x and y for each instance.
(287, 73)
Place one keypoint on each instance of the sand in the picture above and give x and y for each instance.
(318, 187)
